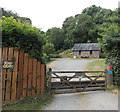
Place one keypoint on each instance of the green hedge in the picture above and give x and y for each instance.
(23, 36)
(110, 31)
(113, 57)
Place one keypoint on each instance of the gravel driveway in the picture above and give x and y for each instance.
(68, 64)
(100, 100)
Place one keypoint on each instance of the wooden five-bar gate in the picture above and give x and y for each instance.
(76, 81)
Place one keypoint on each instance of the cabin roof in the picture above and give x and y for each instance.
(86, 47)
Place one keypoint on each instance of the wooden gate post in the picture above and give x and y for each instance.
(49, 80)
(0, 79)
(109, 79)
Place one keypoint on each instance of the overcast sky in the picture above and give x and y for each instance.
(51, 13)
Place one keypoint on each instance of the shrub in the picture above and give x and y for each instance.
(23, 36)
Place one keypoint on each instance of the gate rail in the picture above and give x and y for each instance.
(66, 84)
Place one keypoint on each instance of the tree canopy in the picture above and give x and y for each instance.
(56, 37)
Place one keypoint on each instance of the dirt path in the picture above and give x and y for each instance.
(100, 100)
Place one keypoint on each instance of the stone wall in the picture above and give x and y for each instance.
(96, 54)
(89, 54)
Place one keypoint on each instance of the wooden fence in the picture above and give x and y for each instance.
(26, 79)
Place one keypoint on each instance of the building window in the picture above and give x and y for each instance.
(79, 52)
(91, 52)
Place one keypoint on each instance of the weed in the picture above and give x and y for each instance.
(29, 103)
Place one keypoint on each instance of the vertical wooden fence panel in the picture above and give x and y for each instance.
(38, 78)
(14, 77)
(29, 77)
(34, 77)
(0, 77)
(9, 75)
(20, 74)
(109, 79)
(25, 76)
(4, 72)
(43, 71)
(26, 79)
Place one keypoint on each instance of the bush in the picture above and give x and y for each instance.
(67, 53)
(55, 56)
(49, 49)
(23, 36)
(110, 31)
(113, 57)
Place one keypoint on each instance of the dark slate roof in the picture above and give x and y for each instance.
(86, 46)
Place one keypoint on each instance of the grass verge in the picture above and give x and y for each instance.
(113, 89)
(99, 65)
(96, 65)
(84, 58)
(29, 103)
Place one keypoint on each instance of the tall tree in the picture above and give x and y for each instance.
(98, 14)
(79, 29)
(68, 27)
(56, 37)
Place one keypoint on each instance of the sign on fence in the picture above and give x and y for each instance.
(8, 64)
(110, 70)
(27, 79)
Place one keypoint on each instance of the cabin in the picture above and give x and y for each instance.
(86, 50)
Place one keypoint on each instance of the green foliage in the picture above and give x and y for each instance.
(23, 36)
(98, 14)
(29, 103)
(110, 42)
(49, 49)
(68, 28)
(79, 29)
(9, 13)
(67, 52)
(83, 29)
(56, 37)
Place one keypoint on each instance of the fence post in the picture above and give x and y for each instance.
(34, 80)
(15, 73)
(43, 78)
(49, 80)
(9, 75)
(4, 72)
(109, 79)
(29, 92)
(0, 79)
(38, 78)
(25, 74)
(20, 74)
